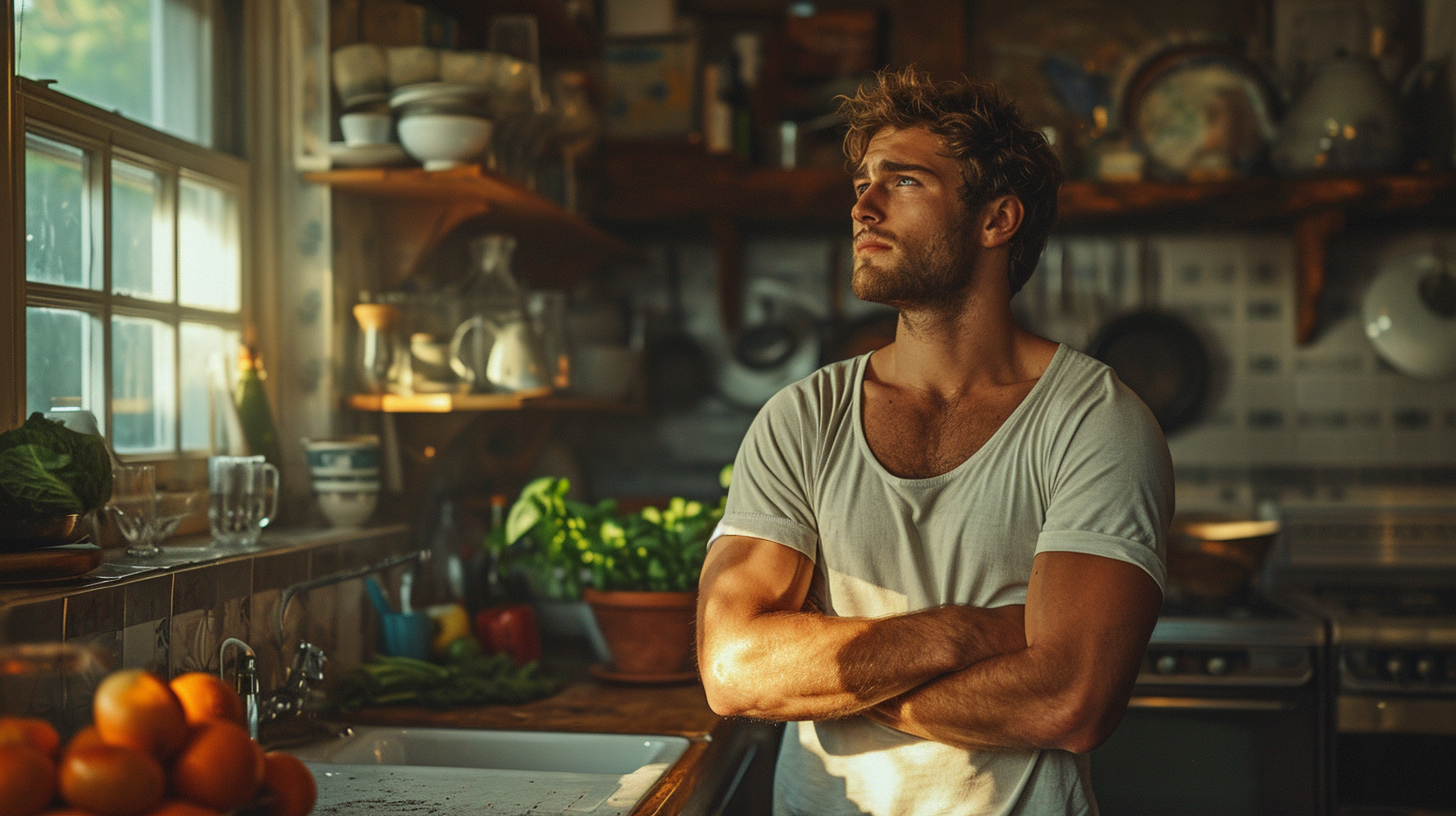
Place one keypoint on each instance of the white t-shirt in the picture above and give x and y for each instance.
(1079, 466)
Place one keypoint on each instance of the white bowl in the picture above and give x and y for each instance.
(1408, 312)
(442, 141)
(365, 128)
(348, 510)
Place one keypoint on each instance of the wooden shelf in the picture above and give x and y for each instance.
(420, 208)
(642, 183)
(448, 403)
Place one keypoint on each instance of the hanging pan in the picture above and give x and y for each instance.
(1163, 360)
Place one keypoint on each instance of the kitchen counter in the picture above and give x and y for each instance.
(706, 775)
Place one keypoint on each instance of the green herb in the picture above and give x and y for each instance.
(563, 545)
(47, 470)
(466, 678)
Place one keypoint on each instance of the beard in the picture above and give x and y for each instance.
(930, 274)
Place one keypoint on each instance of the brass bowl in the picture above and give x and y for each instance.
(1214, 559)
(17, 535)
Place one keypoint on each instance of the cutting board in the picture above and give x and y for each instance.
(49, 563)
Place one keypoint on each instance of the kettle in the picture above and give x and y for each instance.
(503, 357)
(1347, 120)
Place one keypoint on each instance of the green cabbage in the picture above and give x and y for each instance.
(47, 470)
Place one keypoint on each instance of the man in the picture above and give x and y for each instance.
(940, 562)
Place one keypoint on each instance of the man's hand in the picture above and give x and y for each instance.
(761, 655)
(1088, 620)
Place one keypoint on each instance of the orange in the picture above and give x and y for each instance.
(177, 807)
(112, 781)
(27, 779)
(30, 731)
(87, 737)
(291, 783)
(221, 766)
(206, 697)
(135, 709)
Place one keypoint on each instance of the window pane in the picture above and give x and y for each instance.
(58, 222)
(143, 385)
(141, 234)
(150, 60)
(200, 344)
(210, 266)
(62, 360)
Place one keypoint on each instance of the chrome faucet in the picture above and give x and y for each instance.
(245, 679)
(292, 699)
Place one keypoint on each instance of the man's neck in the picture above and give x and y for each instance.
(963, 346)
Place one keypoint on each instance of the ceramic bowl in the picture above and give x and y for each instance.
(361, 74)
(348, 453)
(1410, 315)
(347, 509)
(440, 97)
(443, 141)
(412, 64)
(365, 128)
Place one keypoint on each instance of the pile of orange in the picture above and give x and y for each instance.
(154, 749)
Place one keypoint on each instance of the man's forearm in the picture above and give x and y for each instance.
(810, 666)
(1007, 702)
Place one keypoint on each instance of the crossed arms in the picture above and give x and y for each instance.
(1056, 673)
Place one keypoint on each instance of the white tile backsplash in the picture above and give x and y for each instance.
(1332, 403)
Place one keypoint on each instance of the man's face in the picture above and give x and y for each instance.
(914, 242)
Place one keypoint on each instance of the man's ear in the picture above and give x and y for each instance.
(1000, 219)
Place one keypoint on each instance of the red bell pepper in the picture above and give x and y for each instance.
(509, 629)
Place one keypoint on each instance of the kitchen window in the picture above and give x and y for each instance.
(136, 269)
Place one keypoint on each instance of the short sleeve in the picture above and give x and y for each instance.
(769, 497)
(1111, 492)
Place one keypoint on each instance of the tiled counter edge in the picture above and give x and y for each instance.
(173, 620)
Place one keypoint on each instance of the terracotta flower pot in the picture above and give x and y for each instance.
(650, 634)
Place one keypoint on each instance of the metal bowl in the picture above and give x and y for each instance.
(1214, 559)
(17, 535)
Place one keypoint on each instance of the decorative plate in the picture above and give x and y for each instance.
(1200, 112)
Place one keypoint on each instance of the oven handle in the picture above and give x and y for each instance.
(1208, 704)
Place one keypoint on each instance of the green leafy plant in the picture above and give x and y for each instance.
(48, 470)
(563, 546)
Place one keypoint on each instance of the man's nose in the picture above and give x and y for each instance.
(866, 209)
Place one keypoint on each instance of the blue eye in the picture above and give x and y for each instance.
(905, 181)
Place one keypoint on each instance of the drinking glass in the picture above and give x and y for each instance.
(134, 508)
(171, 509)
(242, 498)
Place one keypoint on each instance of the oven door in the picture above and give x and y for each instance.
(1215, 749)
(1395, 754)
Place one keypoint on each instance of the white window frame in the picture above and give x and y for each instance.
(107, 135)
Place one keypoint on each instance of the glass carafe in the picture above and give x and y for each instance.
(494, 349)
(380, 356)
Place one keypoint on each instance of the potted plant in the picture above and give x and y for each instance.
(637, 571)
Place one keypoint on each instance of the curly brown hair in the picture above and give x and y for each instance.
(983, 130)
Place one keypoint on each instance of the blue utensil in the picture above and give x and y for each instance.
(376, 595)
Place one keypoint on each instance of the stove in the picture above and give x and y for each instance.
(1384, 578)
(1228, 715)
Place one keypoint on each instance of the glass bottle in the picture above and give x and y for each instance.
(253, 411)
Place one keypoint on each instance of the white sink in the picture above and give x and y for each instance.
(378, 770)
